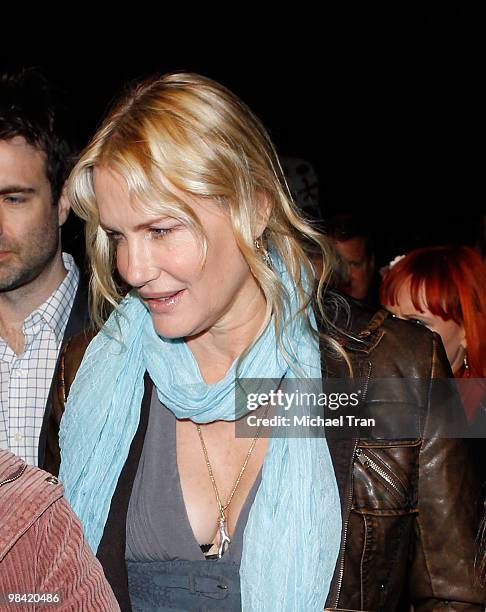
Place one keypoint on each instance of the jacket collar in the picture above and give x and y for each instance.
(79, 316)
(356, 327)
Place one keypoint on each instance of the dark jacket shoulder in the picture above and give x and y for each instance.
(67, 367)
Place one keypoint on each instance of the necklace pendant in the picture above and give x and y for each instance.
(224, 539)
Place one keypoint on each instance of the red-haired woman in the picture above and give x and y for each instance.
(444, 288)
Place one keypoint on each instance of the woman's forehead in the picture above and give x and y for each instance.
(107, 180)
(411, 297)
(116, 201)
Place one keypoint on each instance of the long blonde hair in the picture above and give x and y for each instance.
(208, 143)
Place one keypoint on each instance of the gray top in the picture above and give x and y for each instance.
(158, 527)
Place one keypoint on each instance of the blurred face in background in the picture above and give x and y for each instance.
(453, 335)
(358, 267)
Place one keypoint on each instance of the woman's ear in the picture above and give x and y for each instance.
(463, 338)
(264, 211)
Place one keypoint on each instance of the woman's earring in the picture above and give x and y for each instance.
(466, 363)
(263, 252)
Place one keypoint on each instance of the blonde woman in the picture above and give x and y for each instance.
(185, 203)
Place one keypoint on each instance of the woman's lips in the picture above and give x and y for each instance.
(164, 304)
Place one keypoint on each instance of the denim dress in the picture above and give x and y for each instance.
(167, 569)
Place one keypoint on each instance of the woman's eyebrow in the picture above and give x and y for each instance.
(146, 224)
(139, 226)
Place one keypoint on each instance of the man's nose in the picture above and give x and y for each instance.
(346, 274)
(352, 273)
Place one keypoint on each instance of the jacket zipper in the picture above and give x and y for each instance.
(16, 476)
(367, 462)
(345, 534)
(350, 498)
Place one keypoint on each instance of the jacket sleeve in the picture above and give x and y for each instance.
(442, 574)
(66, 565)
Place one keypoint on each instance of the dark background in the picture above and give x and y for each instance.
(384, 102)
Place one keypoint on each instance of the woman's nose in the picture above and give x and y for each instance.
(139, 268)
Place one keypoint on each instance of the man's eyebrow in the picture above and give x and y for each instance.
(16, 189)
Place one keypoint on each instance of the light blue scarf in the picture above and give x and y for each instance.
(292, 537)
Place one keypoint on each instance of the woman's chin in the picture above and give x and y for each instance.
(172, 329)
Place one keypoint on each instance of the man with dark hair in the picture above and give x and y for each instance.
(41, 301)
(352, 241)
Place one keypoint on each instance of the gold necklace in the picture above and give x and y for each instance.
(224, 539)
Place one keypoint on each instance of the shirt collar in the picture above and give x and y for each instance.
(56, 309)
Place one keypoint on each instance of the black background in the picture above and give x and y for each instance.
(385, 102)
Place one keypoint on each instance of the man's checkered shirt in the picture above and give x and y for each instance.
(25, 379)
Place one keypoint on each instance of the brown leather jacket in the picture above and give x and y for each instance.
(410, 507)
